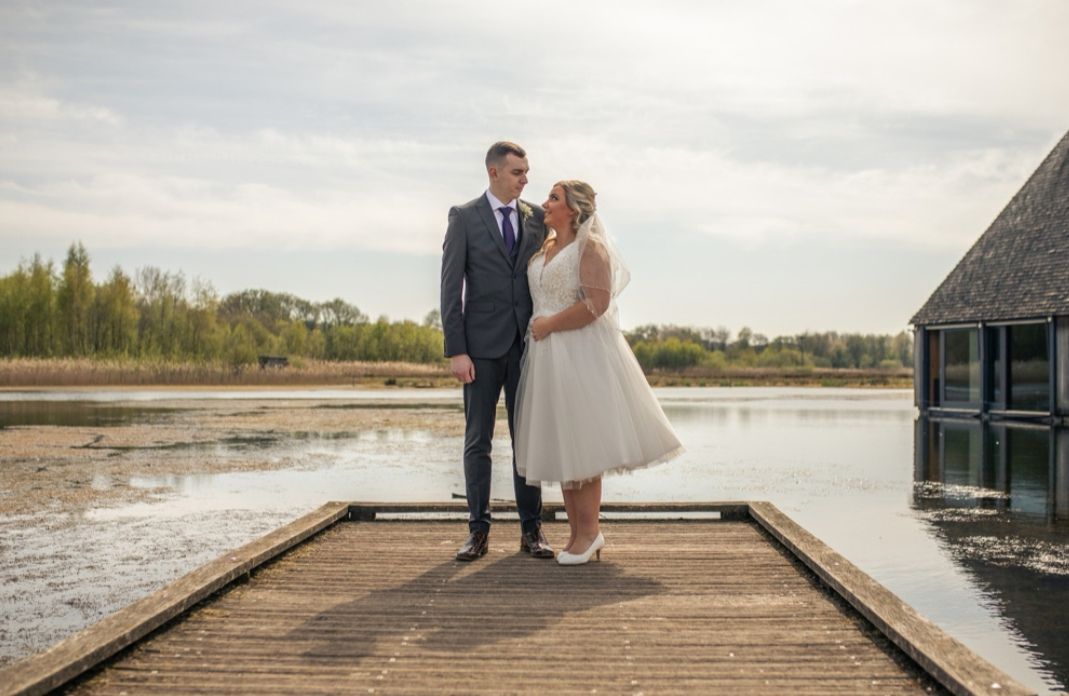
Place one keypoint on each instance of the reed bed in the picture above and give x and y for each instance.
(896, 378)
(68, 372)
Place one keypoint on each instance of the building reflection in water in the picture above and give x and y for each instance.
(996, 494)
(1007, 466)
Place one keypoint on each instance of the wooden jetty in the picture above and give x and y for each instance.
(345, 601)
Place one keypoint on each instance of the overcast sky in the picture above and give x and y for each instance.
(784, 165)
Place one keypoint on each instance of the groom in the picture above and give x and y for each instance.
(486, 306)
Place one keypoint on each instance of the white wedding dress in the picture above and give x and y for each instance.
(584, 407)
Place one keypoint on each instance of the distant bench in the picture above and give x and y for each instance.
(267, 361)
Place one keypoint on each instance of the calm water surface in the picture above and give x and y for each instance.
(968, 524)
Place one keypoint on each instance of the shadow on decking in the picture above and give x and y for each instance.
(352, 629)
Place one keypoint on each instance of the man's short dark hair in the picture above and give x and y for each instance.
(501, 149)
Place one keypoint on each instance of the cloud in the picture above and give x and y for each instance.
(23, 103)
(709, 193)
(125, 206)
(114, 185)
(329, 126)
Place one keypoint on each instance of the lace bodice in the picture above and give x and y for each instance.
(554, 286)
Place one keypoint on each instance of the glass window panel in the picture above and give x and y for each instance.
(961, 366)
(935, 394)
(1061, 363)
(1029, 367)
(994, 367)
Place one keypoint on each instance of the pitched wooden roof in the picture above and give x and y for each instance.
(1019, 268)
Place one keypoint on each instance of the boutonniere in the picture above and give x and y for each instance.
(525, 210)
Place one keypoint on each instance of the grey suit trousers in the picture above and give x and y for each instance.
(480, 412)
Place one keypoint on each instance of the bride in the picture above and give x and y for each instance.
(584, 407)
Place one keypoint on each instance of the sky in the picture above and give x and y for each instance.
(786, 166)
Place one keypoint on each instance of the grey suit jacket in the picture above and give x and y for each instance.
(485, 298)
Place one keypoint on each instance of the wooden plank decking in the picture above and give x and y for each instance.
(674, 606)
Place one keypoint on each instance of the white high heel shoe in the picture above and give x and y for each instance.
(567, 558)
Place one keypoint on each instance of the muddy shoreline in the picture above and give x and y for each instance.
(52, 467)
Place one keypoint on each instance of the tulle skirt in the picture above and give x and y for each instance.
(584, 408)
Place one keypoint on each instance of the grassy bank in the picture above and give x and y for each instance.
(22, 373)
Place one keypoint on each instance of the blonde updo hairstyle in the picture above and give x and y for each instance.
(579, 197)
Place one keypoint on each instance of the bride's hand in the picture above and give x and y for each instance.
(540, 328)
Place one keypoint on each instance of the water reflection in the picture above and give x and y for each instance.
(77, 414)
(1016, 468)
(965, 523)
(997, 496)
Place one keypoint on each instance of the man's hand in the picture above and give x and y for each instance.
(463, 368)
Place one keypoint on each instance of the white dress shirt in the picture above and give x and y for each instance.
(499, 216)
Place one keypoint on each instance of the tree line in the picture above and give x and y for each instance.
(48, 311)
(674, 347)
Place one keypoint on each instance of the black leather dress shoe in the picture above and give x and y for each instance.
(534, 543)
(474, 547)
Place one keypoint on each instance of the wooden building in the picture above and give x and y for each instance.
(993, 339)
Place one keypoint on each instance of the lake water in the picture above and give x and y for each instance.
(967, 523)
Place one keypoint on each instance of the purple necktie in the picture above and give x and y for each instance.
(506, 228)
